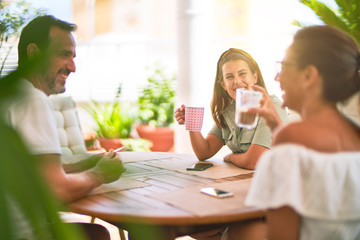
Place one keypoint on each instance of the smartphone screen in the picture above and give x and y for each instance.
(216, 192)
(200, 166)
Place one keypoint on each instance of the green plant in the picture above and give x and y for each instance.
(113, 119)
(345, 17)
(23, 185)
(157, 99)
(20, 179)
(136, 144)
(13, 16)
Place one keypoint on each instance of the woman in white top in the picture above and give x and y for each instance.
(307, 182)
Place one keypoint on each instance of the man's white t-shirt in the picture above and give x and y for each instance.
(33, 117)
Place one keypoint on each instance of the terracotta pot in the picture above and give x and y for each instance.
(162, 138)
(108, 143)
(91, 141)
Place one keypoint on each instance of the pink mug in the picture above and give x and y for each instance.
(194, 118)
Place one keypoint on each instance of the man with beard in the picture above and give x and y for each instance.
(46, 53)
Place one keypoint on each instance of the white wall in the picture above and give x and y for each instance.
(60, 9)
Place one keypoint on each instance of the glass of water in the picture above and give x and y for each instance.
(246, 99)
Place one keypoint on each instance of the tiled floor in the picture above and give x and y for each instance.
(114, 231)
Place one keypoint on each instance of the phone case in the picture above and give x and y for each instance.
(216, 192)
(200, 167)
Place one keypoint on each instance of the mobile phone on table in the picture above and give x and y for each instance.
(216, 192)
(200, 166)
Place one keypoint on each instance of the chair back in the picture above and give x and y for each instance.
(68, 125)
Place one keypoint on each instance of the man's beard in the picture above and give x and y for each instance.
(50, 81)
(51, 84)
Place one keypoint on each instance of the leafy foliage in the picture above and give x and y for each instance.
(345, 17)
(20, 181)
(22, 184)
(137, 144)
(13, 16)
(157, 100)
(113, 119)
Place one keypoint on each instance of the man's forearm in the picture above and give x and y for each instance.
(82, 165)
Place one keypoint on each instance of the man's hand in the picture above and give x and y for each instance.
(109, 168)
(86, 162)
(82, 165)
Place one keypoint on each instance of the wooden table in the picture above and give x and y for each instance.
(157, 198)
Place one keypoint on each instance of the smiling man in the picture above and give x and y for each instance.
(46, 58)
(51, 42)
(62, 64)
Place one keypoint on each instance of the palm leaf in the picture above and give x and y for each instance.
(22, 184)
(346, 17)
(326, 14)
(346, 9)
(350, 11)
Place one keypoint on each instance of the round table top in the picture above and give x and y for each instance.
(157, 189)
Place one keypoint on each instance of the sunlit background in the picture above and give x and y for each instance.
(121, 42)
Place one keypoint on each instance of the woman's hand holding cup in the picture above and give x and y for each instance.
(180, 115)
(267, 109)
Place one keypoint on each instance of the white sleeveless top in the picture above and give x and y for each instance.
(323, 188)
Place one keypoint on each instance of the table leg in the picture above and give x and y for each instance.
(163, 232)
(148, 232)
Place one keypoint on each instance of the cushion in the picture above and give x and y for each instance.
(68, 124)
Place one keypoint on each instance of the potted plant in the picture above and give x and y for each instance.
(114, 122)
(156, 110)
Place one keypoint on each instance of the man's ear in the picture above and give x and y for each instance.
(32, 50)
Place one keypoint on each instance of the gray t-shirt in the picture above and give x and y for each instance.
(239, 139)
